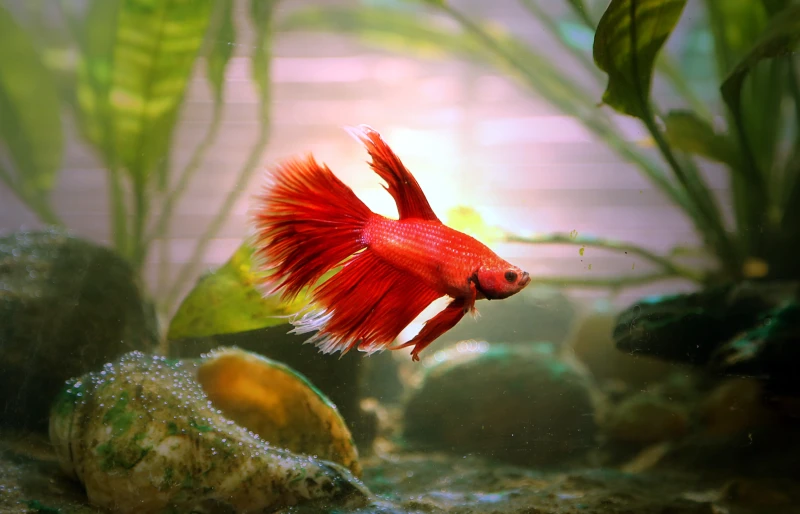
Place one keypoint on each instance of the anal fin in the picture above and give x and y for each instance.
(439, 324)
(366, 305)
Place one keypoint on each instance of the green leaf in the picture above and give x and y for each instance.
(227, 301)
(136, 61)
(775, 6)
(689, 133)
(222, 38)
(781, 37)
(30, 115)
(626, 44)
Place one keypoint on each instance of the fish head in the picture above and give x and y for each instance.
(500, 281)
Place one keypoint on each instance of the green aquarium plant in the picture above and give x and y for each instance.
(755, 80)
(743, 317)
(120, 70)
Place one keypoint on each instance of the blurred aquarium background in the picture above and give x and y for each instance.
(639, 158)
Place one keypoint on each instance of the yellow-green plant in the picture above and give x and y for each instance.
(125, 88)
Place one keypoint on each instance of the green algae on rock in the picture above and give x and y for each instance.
(143, 436)
(516, 402)
(66, 306)
(747, 328)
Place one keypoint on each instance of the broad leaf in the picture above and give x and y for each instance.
(227, 301)
(136, 61)
(756, 116)
(781, 37)
(689, 133)
(626, 44)
(30, 117)
(222, 39)
(775, 6)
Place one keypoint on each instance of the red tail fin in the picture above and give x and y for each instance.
(307, 222)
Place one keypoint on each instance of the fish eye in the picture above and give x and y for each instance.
(511, 276)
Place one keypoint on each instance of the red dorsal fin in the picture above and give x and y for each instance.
(410, 200)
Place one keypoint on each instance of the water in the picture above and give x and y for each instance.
(648, 367)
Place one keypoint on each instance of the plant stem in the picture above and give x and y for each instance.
(593, 119)
(619, 282)
(584, 16)
(119, 220)
(163, 221)
(46, 213)
(40, 206)
(140, 211)
(669, 268)
(552, 27)
(702, 199)
(241, 182)
(794, 90)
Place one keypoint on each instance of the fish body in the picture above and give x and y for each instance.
(308, 223)
(439, 256)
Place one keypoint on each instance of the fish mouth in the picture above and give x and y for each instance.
(525, 280)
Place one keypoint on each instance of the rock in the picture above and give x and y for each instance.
(749, 328)
(66, 306)
(733, 407)
(278, 404)
(755, 493)
(31, 480)
(514, 402)
(769, 350)
(338, 378)
(646, 418)
(593, 345)
(147, 434)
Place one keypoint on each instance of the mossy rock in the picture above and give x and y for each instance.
(749, 328)
(66, 306)
(516, 402)
(593, 345)
(230, 432)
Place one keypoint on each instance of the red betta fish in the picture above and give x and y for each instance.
(308, 222)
